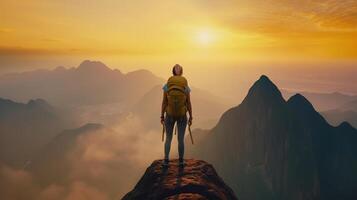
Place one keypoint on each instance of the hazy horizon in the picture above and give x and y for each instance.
(305, 77)
(312, 43)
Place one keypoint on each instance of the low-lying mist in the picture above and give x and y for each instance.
(103, 164)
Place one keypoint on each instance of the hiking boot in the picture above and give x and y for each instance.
(165, 163)
(181, 162)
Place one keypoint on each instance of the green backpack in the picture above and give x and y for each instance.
(176, 96)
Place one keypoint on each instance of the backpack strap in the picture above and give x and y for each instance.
(176, 87)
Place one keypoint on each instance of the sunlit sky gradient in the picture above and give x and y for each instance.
(157, 33)
(252, 29)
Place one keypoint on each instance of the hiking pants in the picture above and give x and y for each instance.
(181, 126)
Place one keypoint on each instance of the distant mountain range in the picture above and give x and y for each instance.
(352, 105)
(347, 112)
(104, 95)
(91, 83)
(324, 101)
(269, 148)
(336, 117)
(92, 92)
(24, 128)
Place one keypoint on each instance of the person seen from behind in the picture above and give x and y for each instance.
(176, 103)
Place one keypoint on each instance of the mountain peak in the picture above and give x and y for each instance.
(265, 82)
(264, 90)
(345, 125)
(140, 72)
(300, 102)
(67, 134)
(196, 180)
(59, 69)
(7, 101)
(92, 66)
(91, 127)
(305, 110)
(264, 78)
(39, 103)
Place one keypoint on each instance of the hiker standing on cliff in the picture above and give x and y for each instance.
(176, 103)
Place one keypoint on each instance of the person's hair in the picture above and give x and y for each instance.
(177, 66)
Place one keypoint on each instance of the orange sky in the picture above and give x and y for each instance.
(195, 33)
(236, 29)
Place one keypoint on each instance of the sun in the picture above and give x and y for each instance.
(205, 37)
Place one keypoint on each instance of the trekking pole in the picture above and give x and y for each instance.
(189, 130)
(163, 132)
(175, 128)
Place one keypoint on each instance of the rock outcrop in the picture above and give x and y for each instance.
(196, 180)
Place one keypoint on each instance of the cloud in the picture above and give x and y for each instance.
(266, 16)
(82, 191)
(305, 29)
(112, 160)
(52, 192)
(103, 165)
(17, 184)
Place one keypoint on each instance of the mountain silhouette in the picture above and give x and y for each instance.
(336, 117)
(347, 112)
(91, 83)
(24, 128)
(269, 148)
(263, 92)
(88, 66)
(305, 110)
(9, 107)
(324, 101)
(197, 180)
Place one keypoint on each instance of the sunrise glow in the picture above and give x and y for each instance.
(205, 37)
(165, 27)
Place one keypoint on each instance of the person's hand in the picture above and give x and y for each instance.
(190, 121)
(162, 121)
